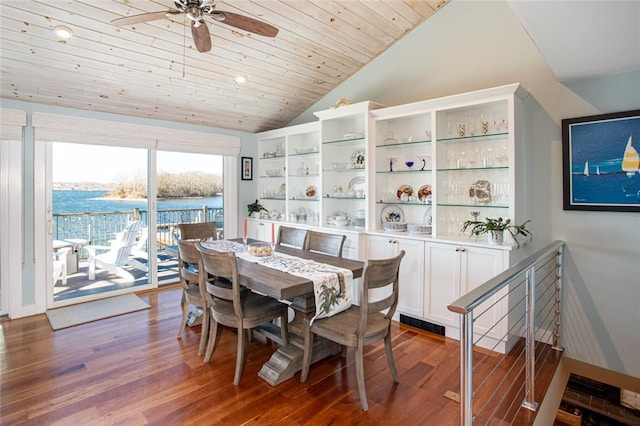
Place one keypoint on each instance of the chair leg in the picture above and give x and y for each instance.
(185, 314)
(239, 357)
(213, 333)
(360, 376)
(284, 329)
(204, 331)
(308, 348)
(392, 365)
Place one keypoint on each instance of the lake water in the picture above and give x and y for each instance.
(66, 201)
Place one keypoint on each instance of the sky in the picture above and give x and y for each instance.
(104, 164)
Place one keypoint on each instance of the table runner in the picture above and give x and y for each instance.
(332, 285)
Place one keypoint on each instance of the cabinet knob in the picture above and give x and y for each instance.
(390, 241)
(463, 249)
(261, 224)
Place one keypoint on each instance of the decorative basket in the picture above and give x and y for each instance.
(394, 226)
(260, 249)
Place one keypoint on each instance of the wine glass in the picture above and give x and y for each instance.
(391, 161)
(409, 164)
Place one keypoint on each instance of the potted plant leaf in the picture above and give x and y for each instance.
(494, 228)
(255, 209)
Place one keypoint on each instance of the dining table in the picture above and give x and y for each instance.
(298, 292)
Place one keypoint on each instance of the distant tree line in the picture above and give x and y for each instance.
(180, 185)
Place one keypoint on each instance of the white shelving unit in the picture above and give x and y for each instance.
(438, 162)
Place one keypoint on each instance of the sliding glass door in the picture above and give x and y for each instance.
(98, 221)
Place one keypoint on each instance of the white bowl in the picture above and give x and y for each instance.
(273, 173)
(341, 222)
(339, 166)
(418, 228)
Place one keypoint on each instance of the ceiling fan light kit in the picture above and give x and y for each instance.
(196, 11)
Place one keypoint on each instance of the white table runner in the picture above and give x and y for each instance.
(332, 285)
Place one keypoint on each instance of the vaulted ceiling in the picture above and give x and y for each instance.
(153, 69)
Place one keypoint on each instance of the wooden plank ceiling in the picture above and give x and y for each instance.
(137, 70)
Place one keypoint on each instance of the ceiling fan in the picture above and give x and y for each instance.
(196, 11)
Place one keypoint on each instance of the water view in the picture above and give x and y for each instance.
(79, 201)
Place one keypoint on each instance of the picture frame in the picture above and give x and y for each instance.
(601, 162)
(246, 171)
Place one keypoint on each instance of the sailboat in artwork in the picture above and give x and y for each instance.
(597, 170)
(586, 168)
(630, 160)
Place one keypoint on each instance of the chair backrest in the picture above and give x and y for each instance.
(218, 265)
(292, 237)
(198, 231)
(189, 263)
(379, 274)
(321, 242)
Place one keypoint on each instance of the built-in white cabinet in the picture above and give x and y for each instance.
(289, 173)
(421, 169)
(453, 270)
(412, 269)
(444, 161)
(344, 134)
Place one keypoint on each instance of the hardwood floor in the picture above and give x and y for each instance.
(132, 370)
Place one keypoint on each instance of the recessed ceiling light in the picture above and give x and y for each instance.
(240, 79)
(63, 32)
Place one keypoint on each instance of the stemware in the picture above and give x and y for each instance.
(409, 164)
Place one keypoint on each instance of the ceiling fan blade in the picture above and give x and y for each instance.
(245, 23)
(144, 17)
(201, 36)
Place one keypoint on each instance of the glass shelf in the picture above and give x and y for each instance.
(302, 199)
(479, 206)
(275, 157)
(353, 141)
(300, 154)
(304, 176)
(352, 169)
(341, 197)
(474, 138)
(405, 203)
(389, 172)
(462, 169)
(401, 144)
(273, 198)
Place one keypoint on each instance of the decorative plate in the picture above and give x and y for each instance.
(424, 192)
(481, 191)
(357, 183)
(311, 191)
(404, 189)
(357, 159)
(426, 219)
(283, 189)
(392, 213)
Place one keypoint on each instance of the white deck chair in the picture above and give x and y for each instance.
(117, 255)
(60, 265)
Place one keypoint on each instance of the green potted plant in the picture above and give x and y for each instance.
(494, 228)
(255, 209)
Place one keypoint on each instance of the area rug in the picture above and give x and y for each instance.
(92, 311)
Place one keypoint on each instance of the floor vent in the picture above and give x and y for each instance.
(423, 325)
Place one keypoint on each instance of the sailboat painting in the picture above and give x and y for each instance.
(601, 162)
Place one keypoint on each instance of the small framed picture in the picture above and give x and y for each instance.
(601, 162)
(247, 168)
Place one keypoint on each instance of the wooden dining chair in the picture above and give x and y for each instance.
(322, 242)
(229, 307)
(292, 237)
(198, 231)
(362, 325)
(189, 270)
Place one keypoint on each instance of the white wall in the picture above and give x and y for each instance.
(474, 45)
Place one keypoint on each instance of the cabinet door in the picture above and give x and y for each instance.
(477, 266)
(259, 230)
(443, 282)
(411, 278)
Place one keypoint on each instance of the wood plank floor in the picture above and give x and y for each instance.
(132, 370)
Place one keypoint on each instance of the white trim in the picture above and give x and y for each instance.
(61, 128)
(230, 184)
